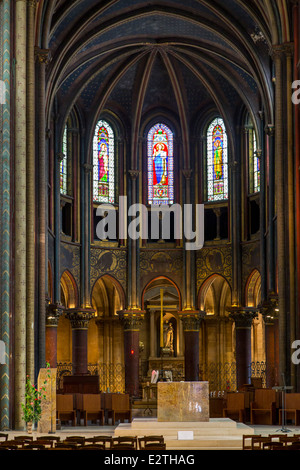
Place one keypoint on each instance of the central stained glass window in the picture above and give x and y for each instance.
(160, 165)
(104, 164)
(217, 161)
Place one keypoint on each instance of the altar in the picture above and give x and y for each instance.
(183, 402)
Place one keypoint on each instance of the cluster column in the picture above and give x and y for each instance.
(80, 319)
(192, 322)
(243, 318)
(132, 321)
(53, 314)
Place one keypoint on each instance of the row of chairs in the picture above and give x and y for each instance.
(271, 442)
(83, 443)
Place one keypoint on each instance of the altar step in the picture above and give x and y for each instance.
(217, 434)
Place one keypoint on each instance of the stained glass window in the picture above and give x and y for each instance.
(217, 161)
(160, 165)
(64, 164)
(104, 164)
(254, 162)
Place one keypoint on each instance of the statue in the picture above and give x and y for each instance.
(168, 336)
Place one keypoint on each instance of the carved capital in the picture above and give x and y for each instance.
(269, 309)
(134, 174)
(192, 320)
(42, 55)
(87, 167)
(270, 130)
(80, 318)
(132, 319)
(53, 314)
(187, 173)
(243, 316)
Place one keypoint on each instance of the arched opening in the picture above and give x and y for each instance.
(253, 299)
(161, 335)
(217, 355)
(105, 334)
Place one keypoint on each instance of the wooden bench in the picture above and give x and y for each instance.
(292, 408)
(235, 406)
(65, 408)
(263, 409)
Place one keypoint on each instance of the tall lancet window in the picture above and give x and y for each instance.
(160, 165)
(254, 163)
(217, 161)
(64, 164)
(104, 164)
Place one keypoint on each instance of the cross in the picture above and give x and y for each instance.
(162, 315)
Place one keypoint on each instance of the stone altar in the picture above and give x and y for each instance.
(183, 402)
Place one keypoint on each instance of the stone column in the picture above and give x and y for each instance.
(86, 240)
(42, 56)
(192, 321)
(189, 256)
(53, 313)
(270, 316)
(80, 319)
(20, 212)
(270, 130)
(30, 198)
(235, 234)
(243, 318)
(134, 300)
(6, 254)
(132, 320)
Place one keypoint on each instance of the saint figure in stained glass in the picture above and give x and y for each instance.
(104, 187)
(160, 165)
(217, 161)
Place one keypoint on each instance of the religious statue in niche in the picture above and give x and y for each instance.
(168, 334)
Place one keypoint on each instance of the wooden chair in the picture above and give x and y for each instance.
(288, 440)
(23, 438)
(3, 437)
(92, 447)
(151, 442)
(35, 445)
(131, 441)
(292, 408)
(120, 408)
(269, 445)
(263, 409)
(65, 408)
(92, 409)
(51, 439)
(249, 437)
(235, 407)
(101, 440)
(77, 440)
(257, 442)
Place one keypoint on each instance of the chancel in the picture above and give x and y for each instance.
(161, 112)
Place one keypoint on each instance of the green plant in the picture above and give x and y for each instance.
(32, 408)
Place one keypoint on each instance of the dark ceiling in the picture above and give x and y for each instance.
(138, 58)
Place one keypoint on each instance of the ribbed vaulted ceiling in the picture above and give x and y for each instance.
(134, 57)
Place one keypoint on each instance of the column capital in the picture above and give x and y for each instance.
(282, 50)
(80, 317)
(42, 55)
(242, 316)
(53, 314)
(192, 319)
(269, 309)
(134, 174)
(132, 319)
(87, 167)
(270, 130)
(187, 173)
